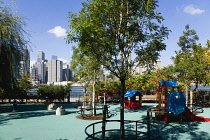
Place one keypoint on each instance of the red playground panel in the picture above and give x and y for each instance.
(133, 99)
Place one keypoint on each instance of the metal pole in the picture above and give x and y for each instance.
(93, 131)
(136, 129)
(104, 122)
(148, 124)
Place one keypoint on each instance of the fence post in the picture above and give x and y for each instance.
(148, 124)
(104, 122)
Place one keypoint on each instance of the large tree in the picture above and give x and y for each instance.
(110, 31)
(12, 41)
(86, 69)
(193, 66)
(191, 63)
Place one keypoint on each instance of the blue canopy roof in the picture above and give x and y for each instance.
(131, 93)
(170, 83)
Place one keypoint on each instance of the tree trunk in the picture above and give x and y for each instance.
(196, 87)
(122, 129)
(196, 90)
(93, 98)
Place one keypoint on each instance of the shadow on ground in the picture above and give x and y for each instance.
(5, 108)
(172, 131)
(28, 111)
(22, 115)
(186, 130)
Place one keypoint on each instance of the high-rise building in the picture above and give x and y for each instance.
(40, 56)
(67, 74)
(25, 62)
(54, 57)
(142, 69)
(39, 68)
(34, 74)
(55, 71)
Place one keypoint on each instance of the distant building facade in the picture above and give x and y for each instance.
(40, 56)
(67, 74)
(55, 71)
(39, 73)
(24, 63)
(50, 72)
(142, 69)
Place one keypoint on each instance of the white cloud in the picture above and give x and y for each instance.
(58, 31)
(191, 9)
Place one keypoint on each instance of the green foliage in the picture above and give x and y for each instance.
(110, 88)
(23, 86)
(24, 82)
(12, 41)
(168, 73)
(145, 82)
(84, 66)
(191, 62)
(53, 92)
(109, 31)
(188, 40)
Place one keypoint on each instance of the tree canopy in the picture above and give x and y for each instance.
(110, 31)
(12, 40)
(192, 61)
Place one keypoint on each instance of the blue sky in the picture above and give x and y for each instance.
(47, 22)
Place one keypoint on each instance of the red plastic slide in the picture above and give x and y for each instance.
(193, 117)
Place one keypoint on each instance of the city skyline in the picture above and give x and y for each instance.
(49, 71)
(47, 23)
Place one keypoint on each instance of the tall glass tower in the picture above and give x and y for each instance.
(40, 68)
(40, 56)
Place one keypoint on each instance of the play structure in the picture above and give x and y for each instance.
(171, 104)
(133, 99)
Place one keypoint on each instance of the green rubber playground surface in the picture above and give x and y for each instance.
(35, 122)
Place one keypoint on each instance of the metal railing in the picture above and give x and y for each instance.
(100, 131)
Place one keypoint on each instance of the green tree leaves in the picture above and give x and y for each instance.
(191, 62)
(12, 40)
(109, 31)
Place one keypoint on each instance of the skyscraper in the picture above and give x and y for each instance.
(40, 56)
(40, 68)
(25, 62)
(67, 74)
(55, 71)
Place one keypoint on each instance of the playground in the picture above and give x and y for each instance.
(168, 118)
(34, 122)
